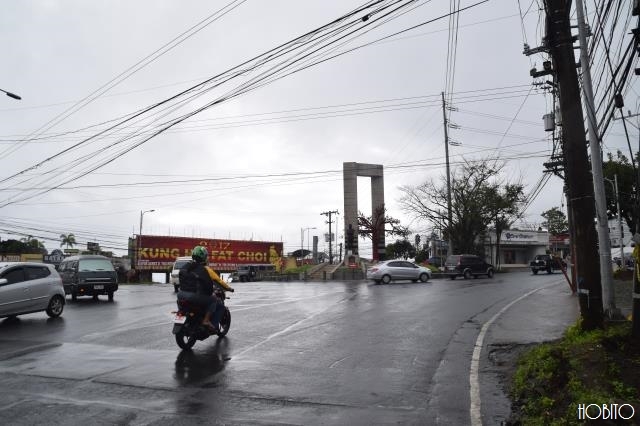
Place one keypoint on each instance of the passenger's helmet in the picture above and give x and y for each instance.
(199, 254)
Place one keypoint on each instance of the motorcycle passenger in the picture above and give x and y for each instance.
(197, 282)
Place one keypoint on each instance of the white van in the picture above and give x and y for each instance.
(175, 270)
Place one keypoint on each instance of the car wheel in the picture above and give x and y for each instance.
(175, 289)
(453, 277)
(386, 279)
(535, 271)
(424, 277)
(467, 274)
(56, 305)
(95, 297)
(74, 295)
(490, 273)
(110, 296)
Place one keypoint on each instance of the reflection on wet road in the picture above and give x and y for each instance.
(296, 353)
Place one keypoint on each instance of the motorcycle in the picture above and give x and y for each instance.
(187, 322)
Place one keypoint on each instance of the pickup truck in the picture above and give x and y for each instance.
(545, 262)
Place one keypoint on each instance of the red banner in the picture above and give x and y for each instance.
(158, 253)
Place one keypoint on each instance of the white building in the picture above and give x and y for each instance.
(516, 247)
(614, 233)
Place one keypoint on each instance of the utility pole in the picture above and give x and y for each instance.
(614, 184)
(576, 169)
(604, 243)
(328, 214)
(446, 150)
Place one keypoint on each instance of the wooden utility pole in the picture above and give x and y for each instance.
(446, 150)
(578, 178)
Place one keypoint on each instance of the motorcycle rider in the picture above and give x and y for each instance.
(197, 281)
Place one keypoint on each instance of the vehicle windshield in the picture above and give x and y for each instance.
(179, 264)
(95, 265)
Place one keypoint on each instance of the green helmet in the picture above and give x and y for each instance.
(200, 254)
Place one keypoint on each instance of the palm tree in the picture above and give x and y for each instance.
(67, 239)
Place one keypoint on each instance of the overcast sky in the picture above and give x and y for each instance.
(267, 160)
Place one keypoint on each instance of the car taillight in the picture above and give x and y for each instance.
(373, 269)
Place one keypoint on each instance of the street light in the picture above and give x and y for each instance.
(140, 236)
(11, 95)
(308, 237)
(142, 215)
(614, 183)
(302, 243)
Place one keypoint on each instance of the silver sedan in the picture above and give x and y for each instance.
(393, 270)
(27, 287)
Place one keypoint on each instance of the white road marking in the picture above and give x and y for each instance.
(474, 380)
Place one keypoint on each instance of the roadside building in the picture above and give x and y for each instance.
(517, 248)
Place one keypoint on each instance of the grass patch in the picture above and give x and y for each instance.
(595, 367)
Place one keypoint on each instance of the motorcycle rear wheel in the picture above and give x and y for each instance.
(184, 341)
(225, 323)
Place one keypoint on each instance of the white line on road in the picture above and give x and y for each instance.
(474, 380)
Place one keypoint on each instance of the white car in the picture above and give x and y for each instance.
(393, 270)
(27, 287)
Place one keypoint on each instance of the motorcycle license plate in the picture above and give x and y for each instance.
(179, 319)
(98, 287)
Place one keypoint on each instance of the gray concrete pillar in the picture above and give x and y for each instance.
(350, 180)
(377, 206)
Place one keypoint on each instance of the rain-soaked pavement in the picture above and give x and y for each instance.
(334, 353)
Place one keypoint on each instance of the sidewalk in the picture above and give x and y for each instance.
(541, 317)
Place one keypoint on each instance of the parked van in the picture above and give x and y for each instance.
(255, 272)
(175, 270)
(88, 275)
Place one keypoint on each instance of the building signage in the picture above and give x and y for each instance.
(53, 258)
(10, 258)
(159, 252)
(524, 237)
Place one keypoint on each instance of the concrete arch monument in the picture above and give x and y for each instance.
(351, 171)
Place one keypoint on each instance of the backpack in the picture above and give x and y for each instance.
(188, 279)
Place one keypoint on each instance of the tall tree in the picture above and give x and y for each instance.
(621, 167)
(555, 221)
(478, 198)
(401, 249)
(504, 203)
(369, 226)
(68, 240)
(29, 245)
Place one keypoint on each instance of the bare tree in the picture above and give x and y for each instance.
(478, 199)
(379, 222)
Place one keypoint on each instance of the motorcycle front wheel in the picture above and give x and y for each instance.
(225, 323)
(184, 341)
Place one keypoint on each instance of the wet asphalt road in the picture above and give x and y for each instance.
(334, 353)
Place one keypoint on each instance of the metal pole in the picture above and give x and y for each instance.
(606, 271)
(614, 184)
(309, 238)
(446, 150)
(615, 180)
(140, 235)
(301, 246)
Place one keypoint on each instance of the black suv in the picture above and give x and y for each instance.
(467, 266)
